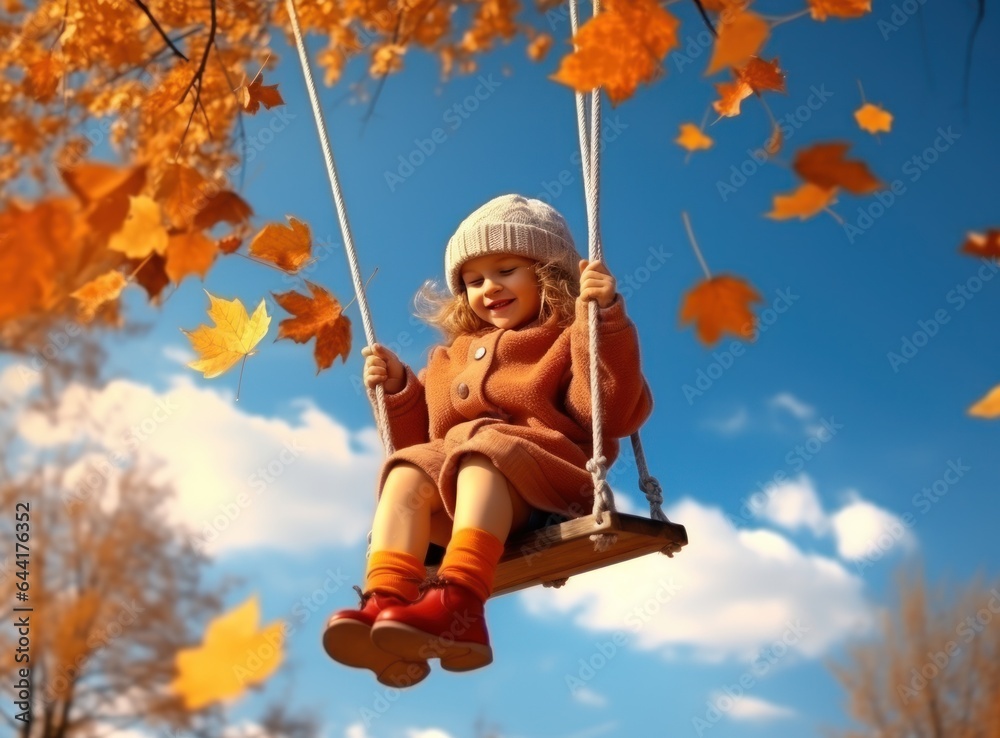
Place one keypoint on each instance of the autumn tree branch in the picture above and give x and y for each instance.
(156, 25)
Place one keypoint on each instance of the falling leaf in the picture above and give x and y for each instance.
(761, 75)
(988, 406)
(320, 317)
(824, 165)
(235, 654)
(741, 35)
(286, 247)
(803, 203)
(232, 338)
(178, 190)
(190, 252)
(252, 96)
(720, 304)
(224, 206)
(985, 246)
(539, 47)
(143, 232)
(619, 49)
(692, 138)
(152, 275)
(229, 244)
(731, 94)
(98, 291)
(822, 9)
(105, 192)
(873, 118)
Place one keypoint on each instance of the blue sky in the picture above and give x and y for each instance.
(815, 407)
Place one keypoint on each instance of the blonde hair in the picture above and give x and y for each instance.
(453, 316)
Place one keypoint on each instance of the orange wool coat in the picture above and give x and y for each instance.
(522, 398)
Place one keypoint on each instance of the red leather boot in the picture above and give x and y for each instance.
(447, 621)
(347, 640)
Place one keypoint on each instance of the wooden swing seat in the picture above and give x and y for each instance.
(564, 548)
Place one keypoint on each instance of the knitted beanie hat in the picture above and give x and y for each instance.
(511, 224)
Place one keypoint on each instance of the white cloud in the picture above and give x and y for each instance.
(179, 355)
(356, 730)
(863, 529)
(754, 709)
(732, 425)
(792, 404)
(729, 594)
(17, 380)
(241, 479)
(792, 505)
(587, 696)
(427, 733)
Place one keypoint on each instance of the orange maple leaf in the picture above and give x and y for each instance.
(824, 165)
(539, 46)
(225, 206)
(805, 202)
(288, 248)
(189, 252)
(741, 35)
(255, 94)
(619, 49)
(731, 94)
(822, 9)
(873, 118)
(151, 275)
(692, 138)
(98, 291)
(105, 193)
(985, 246)
(320, 317)
(229, 244)
(179, 188)
(988, 406)
(720, 304)
(761, 75)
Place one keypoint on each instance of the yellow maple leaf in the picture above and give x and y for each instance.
(692, 138)
(805, 202)
(233, 337)
(233, 656)
(619, 48)
(989, 406)
(873, 118)
(142, 233)
(98, 291)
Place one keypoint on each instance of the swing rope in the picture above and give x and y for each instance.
(591, 164)
(376, 397)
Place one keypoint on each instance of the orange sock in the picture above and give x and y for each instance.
(395, 572)
(471, 560)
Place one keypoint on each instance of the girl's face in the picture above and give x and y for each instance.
(502, 289)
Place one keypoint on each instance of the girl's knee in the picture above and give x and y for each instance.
(409, 485)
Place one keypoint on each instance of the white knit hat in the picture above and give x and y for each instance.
(511, 224)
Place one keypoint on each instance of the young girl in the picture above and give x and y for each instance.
(497, 426)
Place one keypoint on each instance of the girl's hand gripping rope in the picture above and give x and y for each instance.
(383, 367)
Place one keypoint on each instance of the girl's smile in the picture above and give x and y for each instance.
(502, 289)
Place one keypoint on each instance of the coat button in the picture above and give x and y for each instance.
(463, 390)
(480, 352)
